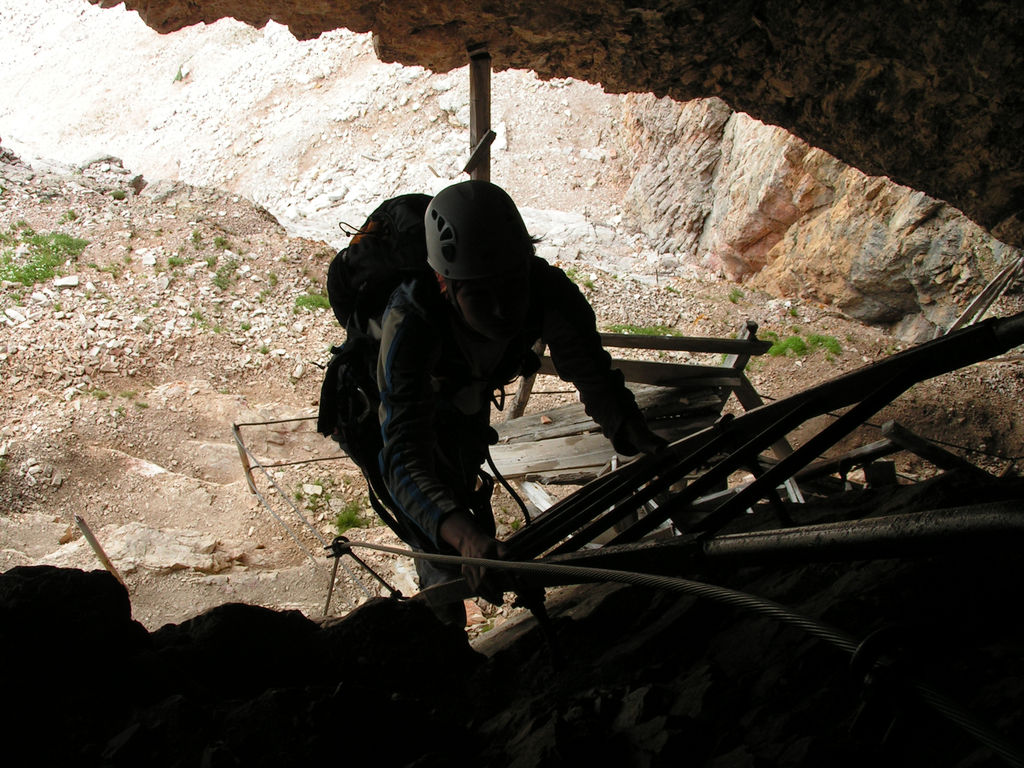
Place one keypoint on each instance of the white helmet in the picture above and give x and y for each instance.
(474, 231)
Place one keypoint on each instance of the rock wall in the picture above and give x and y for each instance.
(759, 205)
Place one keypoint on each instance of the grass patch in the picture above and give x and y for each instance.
(311, 301)
(792, 346)
(735, 295)
(643, 330)
(226, 274)
(797, 346)
(351, 516)
(574, 275)
(828, 343)
(29, 258)
(114, 270)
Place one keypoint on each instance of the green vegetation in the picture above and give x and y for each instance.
(574, 275)
(246, 325)
(68, 216)
(735, 295)
(197, 239)
(221, 243)
(264, 350)
(351, 516)
(272, 279)
(28, 258)
(119, 194)
(114, 270)
(828, 343)
(176, 261)
(225, 274)
(797, 346)
(311, 301)
(643, 330)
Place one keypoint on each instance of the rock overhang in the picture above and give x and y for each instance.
(928, 93)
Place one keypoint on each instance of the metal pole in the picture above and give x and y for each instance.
(95, 544)
(479, 111)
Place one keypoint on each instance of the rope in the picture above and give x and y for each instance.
(982, 732)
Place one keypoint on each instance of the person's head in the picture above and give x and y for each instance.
(478, 244)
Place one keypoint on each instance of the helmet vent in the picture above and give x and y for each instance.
(448, 252)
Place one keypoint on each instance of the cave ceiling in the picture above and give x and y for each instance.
(927, 93)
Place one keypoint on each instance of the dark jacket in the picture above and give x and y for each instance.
(436, 381)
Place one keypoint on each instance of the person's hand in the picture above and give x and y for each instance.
(634, 436)
(461, 531)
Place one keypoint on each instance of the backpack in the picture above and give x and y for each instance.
(387, 250)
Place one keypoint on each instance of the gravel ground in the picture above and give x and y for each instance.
(185, 313)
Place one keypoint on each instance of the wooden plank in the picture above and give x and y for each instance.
(536, 495)
(555, 455)
(667, 374)
(929, 451)
(518, 405)
(741, 346)
(669, 408)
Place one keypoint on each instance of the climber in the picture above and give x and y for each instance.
(451, 341)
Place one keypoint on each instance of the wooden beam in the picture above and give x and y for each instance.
(929, 451)
(741, 346)
(667, 374)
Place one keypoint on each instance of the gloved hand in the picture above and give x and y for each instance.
(461, 531)
(634, 436)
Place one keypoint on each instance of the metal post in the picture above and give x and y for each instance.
(98, 549)
(479, 112)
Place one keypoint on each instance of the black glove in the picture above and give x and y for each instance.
(634, 436)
